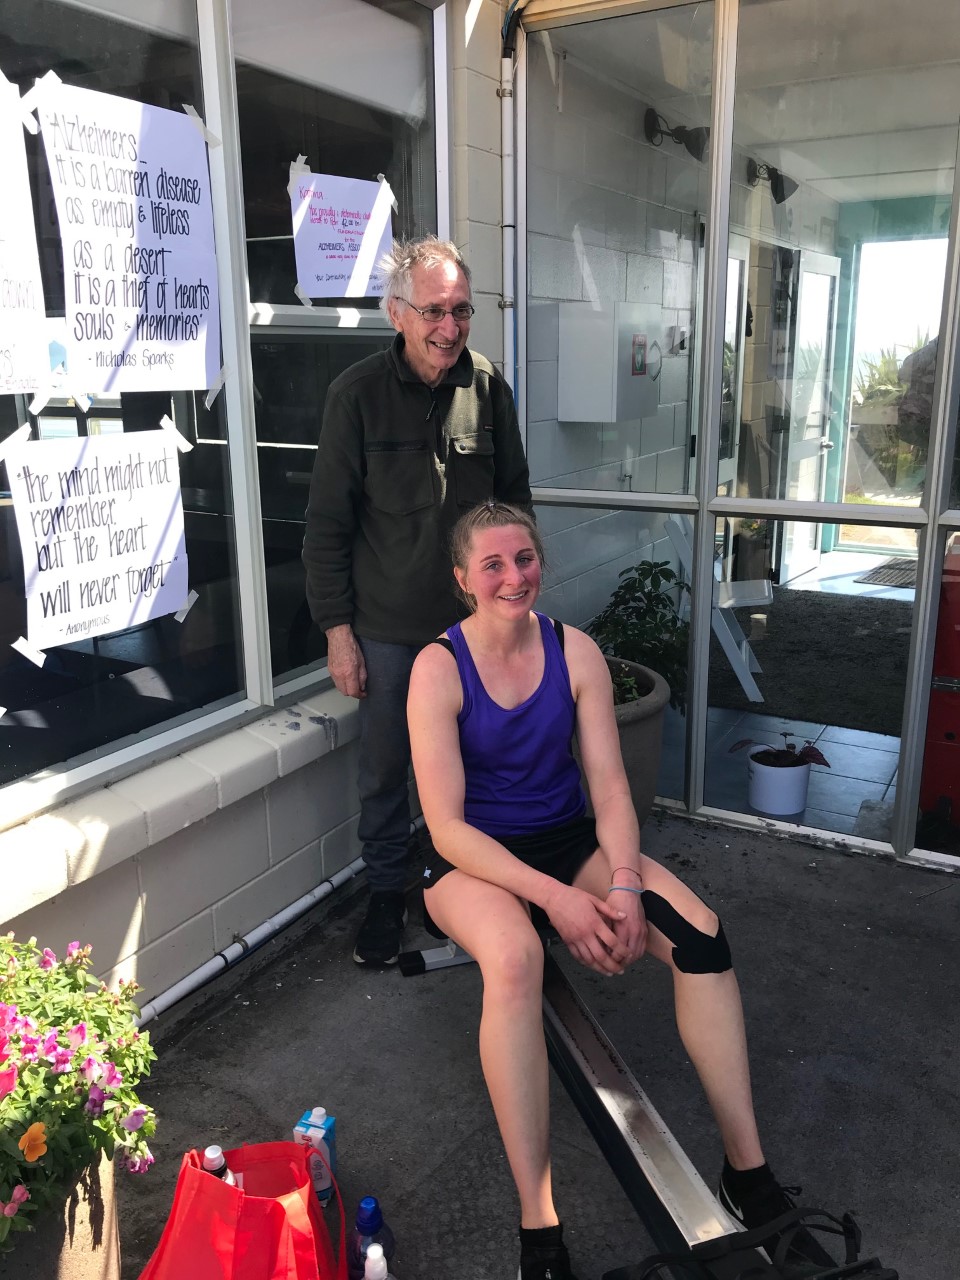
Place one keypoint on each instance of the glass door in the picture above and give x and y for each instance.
(811, 406)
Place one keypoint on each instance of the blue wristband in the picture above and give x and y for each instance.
(623, 888)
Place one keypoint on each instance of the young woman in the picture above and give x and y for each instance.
(493, 707)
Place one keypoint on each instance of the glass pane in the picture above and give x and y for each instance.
(822, 660)
(587, 552)
(349, 86)
(938, 827)
(101, 691)
(844, 196)
(291, 376)
(616, 196)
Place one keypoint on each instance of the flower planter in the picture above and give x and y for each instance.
(774, 789)
(71, 1056)
(640, 723)
(76, 1240)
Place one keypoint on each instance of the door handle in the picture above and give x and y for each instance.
(826, 445)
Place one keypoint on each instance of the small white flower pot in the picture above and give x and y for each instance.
(774, 790)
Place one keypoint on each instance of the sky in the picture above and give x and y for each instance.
(900, 291)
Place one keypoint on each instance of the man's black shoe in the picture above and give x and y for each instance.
(378, 942)
(762, 1203)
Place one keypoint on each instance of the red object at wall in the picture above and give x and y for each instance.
(940, 782)
(271, 1228)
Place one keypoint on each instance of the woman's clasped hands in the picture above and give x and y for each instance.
(603, 936)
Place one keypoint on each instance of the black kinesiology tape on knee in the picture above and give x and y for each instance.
(693, 951)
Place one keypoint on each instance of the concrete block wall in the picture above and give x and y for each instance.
(165, 868)
(586, 551)
(610, 219)
(474, 64)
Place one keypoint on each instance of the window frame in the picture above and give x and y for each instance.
(34, 794)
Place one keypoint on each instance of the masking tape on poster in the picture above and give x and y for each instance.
(209, 138)
(214, 391)
(192, 599)
(36, 656)
(181, 441)
(15, 437)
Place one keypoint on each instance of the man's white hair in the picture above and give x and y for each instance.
(396, 267)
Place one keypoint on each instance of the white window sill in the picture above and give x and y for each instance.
(46, 856)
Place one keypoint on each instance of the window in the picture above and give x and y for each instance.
(348, 86)
(352, 91)
(103, 690)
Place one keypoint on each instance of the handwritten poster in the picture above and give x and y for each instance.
(341, 227)
(101, 532)
(23, 347)
(132, 191)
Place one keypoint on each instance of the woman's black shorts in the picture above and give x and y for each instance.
(558, 851)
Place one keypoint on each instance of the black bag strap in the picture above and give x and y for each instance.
(784, 1228)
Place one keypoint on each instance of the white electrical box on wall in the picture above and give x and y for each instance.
(609, 361)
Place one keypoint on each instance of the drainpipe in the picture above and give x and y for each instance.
(508, 186)
(238, 950)
(243, 947)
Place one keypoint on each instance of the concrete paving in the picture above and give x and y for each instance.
(851, 985)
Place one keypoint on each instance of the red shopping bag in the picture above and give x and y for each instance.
(271, 1228)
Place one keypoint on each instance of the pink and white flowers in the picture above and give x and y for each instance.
(70, 1060)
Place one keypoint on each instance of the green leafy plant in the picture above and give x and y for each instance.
(642, 623)
(70, 1058)
(786, 757)
(624, 684)
(878, 381)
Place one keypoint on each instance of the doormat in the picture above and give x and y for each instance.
(898, 572)
(831, 659)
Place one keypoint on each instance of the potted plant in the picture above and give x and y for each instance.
(645, 642)
(70, 1058)
(642, 624)
(778, 777)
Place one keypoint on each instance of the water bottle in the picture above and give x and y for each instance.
(370, 1229)
(316, 1130)
(375, 1266)
(215, 1162)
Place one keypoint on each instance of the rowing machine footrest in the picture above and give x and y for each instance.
(411, 963)
(743, 1264)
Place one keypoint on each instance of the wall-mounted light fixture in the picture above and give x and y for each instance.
(781, 187)
(655, 129)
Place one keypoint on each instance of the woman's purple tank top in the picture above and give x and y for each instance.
(518, 764)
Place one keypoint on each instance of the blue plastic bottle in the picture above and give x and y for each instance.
(370, 1229)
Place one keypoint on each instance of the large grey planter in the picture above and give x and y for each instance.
(641, 728)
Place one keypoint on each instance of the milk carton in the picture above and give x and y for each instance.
(316, 1130)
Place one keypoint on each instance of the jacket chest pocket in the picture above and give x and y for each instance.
(399, 476)
(472, 459)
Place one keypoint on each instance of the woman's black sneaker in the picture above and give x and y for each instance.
(543, 1255)
(378, 941)
(760, 1200)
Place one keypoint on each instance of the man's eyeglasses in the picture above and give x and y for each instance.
(461, 312)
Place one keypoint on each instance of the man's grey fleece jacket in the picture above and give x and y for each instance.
(396, 465)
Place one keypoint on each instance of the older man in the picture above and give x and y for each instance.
(411, 437)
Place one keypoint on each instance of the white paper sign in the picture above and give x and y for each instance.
(24, 365)
(132, 190)
(341, 227)
(101, 532)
